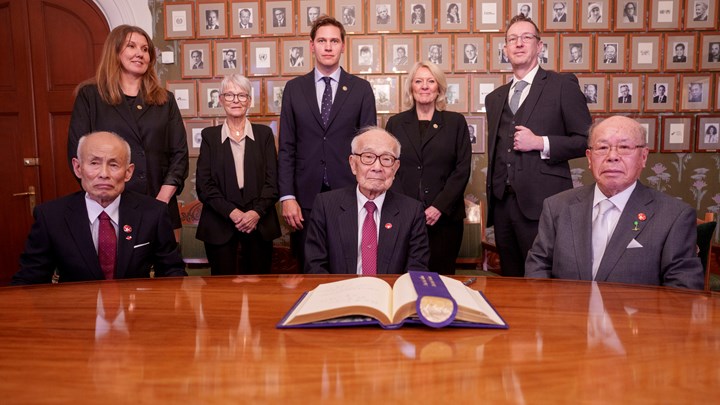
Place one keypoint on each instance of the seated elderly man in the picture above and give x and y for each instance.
(368, 229)
(104, 232)
(617, 230)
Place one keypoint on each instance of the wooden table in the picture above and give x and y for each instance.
(213, 340)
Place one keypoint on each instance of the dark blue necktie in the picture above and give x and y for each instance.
(326, 102)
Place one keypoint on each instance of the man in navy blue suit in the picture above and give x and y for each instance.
(315, 141)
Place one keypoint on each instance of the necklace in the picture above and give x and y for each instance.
(236, 132)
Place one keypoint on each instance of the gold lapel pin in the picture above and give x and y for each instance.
(139, 107)
(344, 88)
(435, 126)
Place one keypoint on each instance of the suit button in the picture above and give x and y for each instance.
(508, 165)
(419, 167)
(324, 138)
(509, 150)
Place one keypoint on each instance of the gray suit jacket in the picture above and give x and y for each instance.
(563, 247)
(332, 239)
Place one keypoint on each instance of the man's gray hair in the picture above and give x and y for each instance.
(118, 137)
(366, 129)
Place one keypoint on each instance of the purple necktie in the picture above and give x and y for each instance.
(369, 242)
(107, 246)
(326, 102)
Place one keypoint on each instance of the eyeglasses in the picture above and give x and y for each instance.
(623, 150)
(524, 38)
(230, 97)
(369, 158)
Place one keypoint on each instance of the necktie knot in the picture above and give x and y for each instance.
(370, 207)
(104, 216)
(327, 80)
(520, 86)
(604, 206)
(515, 99)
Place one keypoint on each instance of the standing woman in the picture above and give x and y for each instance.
(237, 184)
(125, 97)
(435, 161)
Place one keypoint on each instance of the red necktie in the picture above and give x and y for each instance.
(369, 242)
(107, 246)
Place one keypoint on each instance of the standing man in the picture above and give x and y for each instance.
(321, 113)
(536, 124)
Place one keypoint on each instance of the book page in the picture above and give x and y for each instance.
(472, 307)
(404, 297)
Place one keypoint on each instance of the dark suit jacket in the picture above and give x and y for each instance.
(157, 139)
(305, 146)
(60, 239)
(436, 170)
(332, 240)
(555, 107)
(216, 175)
(563, 247)
(659, 99)
(628, 99)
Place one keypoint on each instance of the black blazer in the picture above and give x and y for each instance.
(305, 146)
(61, 239)
(436, 170)
(555, 107)
(216, 179)
(157, 139)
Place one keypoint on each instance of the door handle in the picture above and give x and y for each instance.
(31, 197)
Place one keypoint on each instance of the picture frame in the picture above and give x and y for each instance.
(387, 93)
(453, 16)
(470, 53)
(193, 130)
(400, 53)
(478, 132)
(418, 16)
(665, 15)
(185, 94)
(456, 93)
(594, 88)
(630, 15)
(548, 56)
(530, 8)
(709, 51)
(645, 52)
(256, 97)
(701, 14)
(279, 17)
(308, 11)
(695, 92)
(594, 15)
(650, 123)
(680, 51)
(295, 56)
(383, 16)
(351, 14)
(436, 49)
(625, 93)
(660, 93)
(717, 91)
(610, 53)
(481, 86)
(708, 134)
(245, 18)
(676, 134)
(274, 89)
(498, 59)
(559, 15)
(263, 57)
(179, 20)
(489, 15)
(209, 99)
(365, 53)
(197, 59)
(575, 53)
(211, 19)
(229, 57)
(274, 125)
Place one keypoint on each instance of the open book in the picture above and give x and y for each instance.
(370, 300)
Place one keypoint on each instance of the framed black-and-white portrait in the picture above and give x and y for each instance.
(309, 11)
(400, 53)
(708, 133)
(650, 125)
(710, 51)
(645, 53)
(453, 16)
(499, 61)
(610, 53)
(528, 8)
(296, 57)
(470, 53)
(196, 59)
(229, 57)
(695, 92)
(365, 54)
(244, 19)
(263, 57)
(274, 124)
(594, 15)
(593, 87)
(575, 53)
(665, 14)
(457, 93)
(676, 134)
(279, 17)
(629, 15)
(185, 96)
(383, 16)
(547, 58)
(193, 129)
(477, 132)
(274, 89)
(387, 93)
(256, 97)
(680, 52)
(179, 21)
(701, 14)
(625, 93)
(209, 99)
(419, 16)
(660, 93)
(351, 14)
(480, 87)
(211, 19)
(436, 49)
(489, 15)
(559, 15)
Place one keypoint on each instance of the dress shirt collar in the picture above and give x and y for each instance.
(619, 200)
(335, 76)
(94, 209)
(528, 77)
(361, 200)
(225, 131)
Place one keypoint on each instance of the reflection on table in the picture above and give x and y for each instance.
(195, 340)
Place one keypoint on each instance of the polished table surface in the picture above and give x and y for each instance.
(213, 340)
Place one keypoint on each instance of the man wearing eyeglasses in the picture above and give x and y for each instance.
(617, 230)
(536, 124)
(368, 229)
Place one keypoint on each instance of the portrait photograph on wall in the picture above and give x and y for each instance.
(383, 16)
(387, 93)
(593, 87)
(594, 15)
(418, 16)
(229, 57)
(453, 16)
(547, 57)
(211, 19)
(499, 61)
(351, 14)
(695, 92)
(244, 19)
(610, 53)
(676, 134)
(209, 99)
(575, 53)
(489, 15)
(660, 93)
(710, 51)
(274, 89)
(481, 86)
(279, 17)
(179, 21)
(630, 15)
(477, 132)
(436, 49)
(649, 123)
(645, 53)
(708, 133)
(457, 93)
(625, 93)
(256, 97)
(559, 15)
(196, 59)
(469, 53)
(701, 14)
(309, 11)
(193, 130)
(185, 96)
(296, 57)
(400, 53)
(680, 52)
(528, 8)
(365, 54)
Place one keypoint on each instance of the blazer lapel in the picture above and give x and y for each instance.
(388, 234)
(411, 127)
(436, 125)
(581, 216)
(75, 216)
(348, 221)
(341, 95)
(307, 86)
(250, 171)
(130, 218)
(533, 97)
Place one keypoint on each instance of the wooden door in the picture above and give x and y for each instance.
(48, 47)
